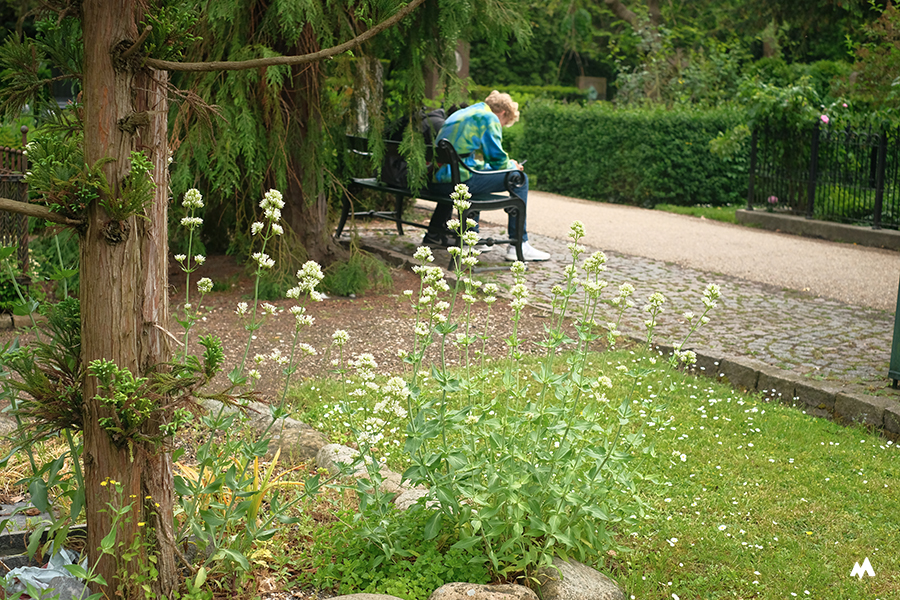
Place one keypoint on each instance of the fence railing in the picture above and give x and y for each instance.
(827, 173)
(14, 227)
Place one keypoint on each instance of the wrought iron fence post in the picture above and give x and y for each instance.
(894, 368)
(879, 180)
(813, 168)
(750, 184)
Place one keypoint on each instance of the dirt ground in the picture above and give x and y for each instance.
(379, 322)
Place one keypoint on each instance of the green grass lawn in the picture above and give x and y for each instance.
(716, 213)
(754, 499)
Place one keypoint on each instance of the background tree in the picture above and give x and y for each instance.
(280, 125)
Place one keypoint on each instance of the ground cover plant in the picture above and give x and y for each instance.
(755, 498)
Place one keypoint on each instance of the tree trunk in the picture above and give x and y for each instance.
(306, 205)
(123, 298)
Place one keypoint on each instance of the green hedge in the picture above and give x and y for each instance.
(632, 156)
(526, 93)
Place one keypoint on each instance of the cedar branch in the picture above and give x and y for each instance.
(239, 65)
(35, 210)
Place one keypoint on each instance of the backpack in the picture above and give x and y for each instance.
(394, 170)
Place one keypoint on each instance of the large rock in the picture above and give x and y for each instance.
(571, 580)
(474, 591)
(297, 441)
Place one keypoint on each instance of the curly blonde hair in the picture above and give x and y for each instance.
(503, 103)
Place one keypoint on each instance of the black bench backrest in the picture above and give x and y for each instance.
(441, 154)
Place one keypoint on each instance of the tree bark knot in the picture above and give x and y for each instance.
(115, 232)
(133, 122)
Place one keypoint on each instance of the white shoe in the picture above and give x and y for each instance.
(528, 251)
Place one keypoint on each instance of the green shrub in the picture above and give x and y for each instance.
(352, 564)
(356, 275)
(632, 156)
(525, 93)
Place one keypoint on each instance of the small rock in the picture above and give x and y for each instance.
(410, 497)
(364, 597)
(391, 483)
(575, 581)
(474, 591)
(329, 456)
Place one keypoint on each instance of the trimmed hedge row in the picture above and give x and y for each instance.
(632, 156)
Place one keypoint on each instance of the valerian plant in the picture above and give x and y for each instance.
(221, 495)
(548, 464)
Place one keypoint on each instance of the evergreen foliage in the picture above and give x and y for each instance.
(282, 127)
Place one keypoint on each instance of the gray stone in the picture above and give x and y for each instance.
(819, 396)
(365, 597)
(739, 373)
(330, 455)
(68, 588)
(410, 498)
(892, 418)
(391, 483)
(7, 425)
(296, 440)
(474, 591)
(860, 408)
(776, 384)
(571, 580)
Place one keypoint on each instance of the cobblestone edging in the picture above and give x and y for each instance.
(834, 353)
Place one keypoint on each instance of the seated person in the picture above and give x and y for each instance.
(476, 131)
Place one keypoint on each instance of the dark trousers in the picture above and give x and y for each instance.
(478, 184)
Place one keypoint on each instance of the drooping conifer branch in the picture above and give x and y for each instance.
(239, 65)
(35, 210)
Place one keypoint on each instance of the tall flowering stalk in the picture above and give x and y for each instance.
(254, 315)
(193, 201)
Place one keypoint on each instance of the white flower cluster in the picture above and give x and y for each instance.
(205, 285)
(272, 203)
(191, 222)
(263, 260)
(340, 337)
(192, 199)
(710, 295)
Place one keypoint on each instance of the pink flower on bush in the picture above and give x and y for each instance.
(845, 105)
(824, 119)
(773, 199)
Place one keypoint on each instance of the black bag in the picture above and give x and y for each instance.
(394, 170)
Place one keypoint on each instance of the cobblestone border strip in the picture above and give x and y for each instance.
(835, 403)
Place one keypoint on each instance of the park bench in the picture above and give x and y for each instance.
(441, 153)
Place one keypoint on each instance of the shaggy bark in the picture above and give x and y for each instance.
(123, 295)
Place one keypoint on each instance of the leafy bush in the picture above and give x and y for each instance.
(350, 563)
(633, 156)
(356, 275)
(525, 93)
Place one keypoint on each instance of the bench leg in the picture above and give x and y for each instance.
(398, 213)
(520, 230)
(345, 212)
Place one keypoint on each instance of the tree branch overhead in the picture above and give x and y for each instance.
(239, 65)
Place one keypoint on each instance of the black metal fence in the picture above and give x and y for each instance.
(827, 173)
(14, 227)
